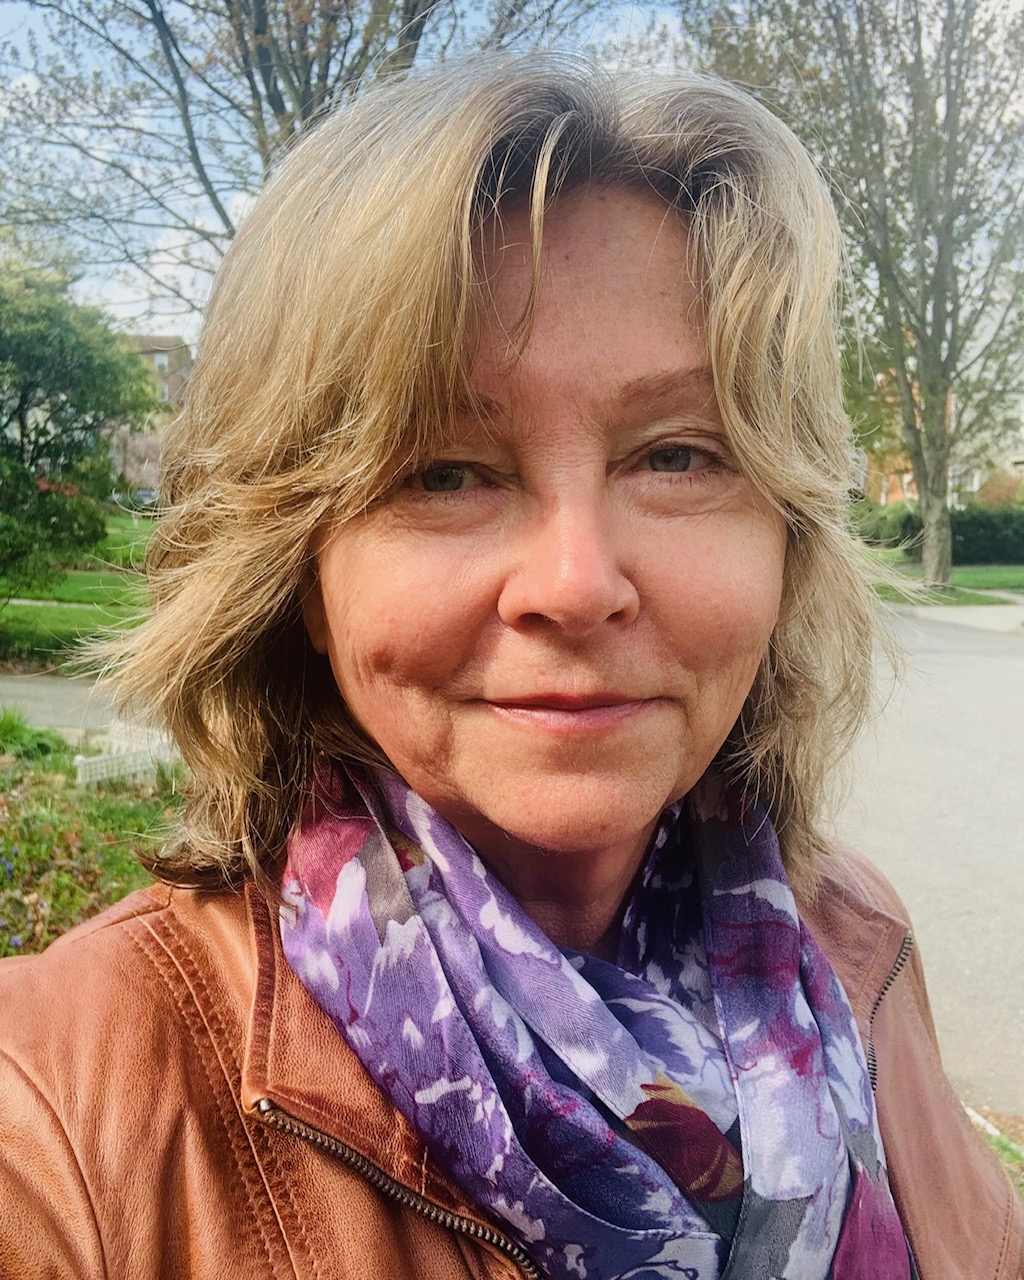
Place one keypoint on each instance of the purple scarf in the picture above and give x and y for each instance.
(699, 1110)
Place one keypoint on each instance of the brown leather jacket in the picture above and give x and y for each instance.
(173, 1103)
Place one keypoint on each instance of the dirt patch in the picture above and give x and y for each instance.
(1011, 1127)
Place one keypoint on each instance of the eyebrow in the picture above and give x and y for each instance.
(673, 384)
(648, 389)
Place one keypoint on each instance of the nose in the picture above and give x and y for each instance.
(567, 571)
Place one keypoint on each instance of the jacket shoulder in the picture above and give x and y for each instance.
(111, 978)
(959, 1210)
(855, 881)
(106, 1039)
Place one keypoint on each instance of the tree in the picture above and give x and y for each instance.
(916, 109)
(147, 126)
(66, 382)
(42, 528)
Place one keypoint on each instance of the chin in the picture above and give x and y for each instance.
(577, 815)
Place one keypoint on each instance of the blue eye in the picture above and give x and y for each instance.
(676, 457)
(444, 478)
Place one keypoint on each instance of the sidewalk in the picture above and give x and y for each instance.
(1005, 618)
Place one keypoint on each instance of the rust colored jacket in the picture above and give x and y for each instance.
(174, 1104)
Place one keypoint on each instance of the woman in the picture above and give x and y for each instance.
(506, 617)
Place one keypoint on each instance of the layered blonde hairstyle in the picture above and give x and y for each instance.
(337, 345)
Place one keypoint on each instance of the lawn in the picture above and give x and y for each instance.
(952, 596)
(48, 632)
(990, 577)
(1012, 1159)
(102, 593)
(67, 851)
(968, 580)
(125, 544)
(125, 590)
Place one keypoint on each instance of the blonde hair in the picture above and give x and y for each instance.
(336, 344)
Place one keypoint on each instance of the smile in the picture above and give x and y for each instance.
(566, 713)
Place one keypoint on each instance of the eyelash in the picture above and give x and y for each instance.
(700, 475)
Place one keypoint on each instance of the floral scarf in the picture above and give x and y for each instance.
(699, 1110)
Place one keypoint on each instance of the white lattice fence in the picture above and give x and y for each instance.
(119, 764)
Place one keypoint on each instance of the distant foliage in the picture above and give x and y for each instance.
(988, 535)
(981, 535)
(896, 525)
(42, 528)
(66, 382)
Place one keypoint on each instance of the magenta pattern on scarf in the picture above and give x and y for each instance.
(699, 1110)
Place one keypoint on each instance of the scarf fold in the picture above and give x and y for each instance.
(700, 1109)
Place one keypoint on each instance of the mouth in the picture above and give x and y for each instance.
(566, 713)
(567, 701)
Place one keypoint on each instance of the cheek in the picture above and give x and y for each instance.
(729, 598)
(394, 624)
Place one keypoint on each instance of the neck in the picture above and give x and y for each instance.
(577, 897)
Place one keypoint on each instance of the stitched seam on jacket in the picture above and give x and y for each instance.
(270, 1157)
(1004, 1246)
(19, 1070)
(211, 1016)
(970, 1136)
(159, 957)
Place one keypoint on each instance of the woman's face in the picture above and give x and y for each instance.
(551, 629)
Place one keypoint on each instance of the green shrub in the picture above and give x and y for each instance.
(988, 535)
(67, 851)
(20, 740)
(896, 525)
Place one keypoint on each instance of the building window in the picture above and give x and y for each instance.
(160, 362)
(164, 391)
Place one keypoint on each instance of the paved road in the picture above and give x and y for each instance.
(938, 804)
(71, 704)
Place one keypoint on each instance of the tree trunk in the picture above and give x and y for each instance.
(937, 548)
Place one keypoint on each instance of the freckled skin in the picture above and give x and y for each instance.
(595, 539)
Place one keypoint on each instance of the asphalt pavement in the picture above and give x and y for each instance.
(937, 801)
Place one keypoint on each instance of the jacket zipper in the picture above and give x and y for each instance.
(397, 1191)
(898, 966)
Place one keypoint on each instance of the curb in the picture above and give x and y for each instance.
(986, 1126)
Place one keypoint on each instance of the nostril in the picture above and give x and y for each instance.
(574, 597)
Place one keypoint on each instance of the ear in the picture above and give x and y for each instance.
(314, 614)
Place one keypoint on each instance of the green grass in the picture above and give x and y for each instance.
(952, 596)
(967, 580)
(123, 590)
(19, 739)
(47, 632)
(67, 851)
(125, 543)
(990, 577)
(1012, 1160)
(85, 602)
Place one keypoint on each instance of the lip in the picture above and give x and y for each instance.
(568, 701)
(563, 713)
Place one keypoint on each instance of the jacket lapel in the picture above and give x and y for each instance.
(297, 1060)
(861, 940)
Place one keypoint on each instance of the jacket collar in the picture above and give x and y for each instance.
(296, 1060)
(861, 925)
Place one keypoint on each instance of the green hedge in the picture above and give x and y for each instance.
(988, 535)
(896, 525)
(981, 535)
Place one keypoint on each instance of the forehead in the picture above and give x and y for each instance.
(615, 309)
